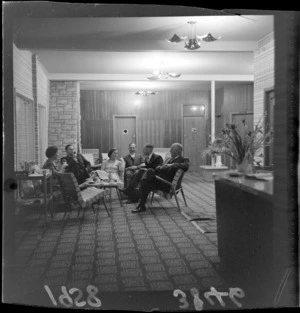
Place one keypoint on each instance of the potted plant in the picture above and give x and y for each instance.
(241, 144)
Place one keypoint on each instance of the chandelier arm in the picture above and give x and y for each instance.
(176, 39)
(192, 41)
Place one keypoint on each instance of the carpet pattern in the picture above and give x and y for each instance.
(159, 250)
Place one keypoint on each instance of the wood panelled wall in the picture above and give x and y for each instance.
(159, 117)
(264, 73)
(232, 99)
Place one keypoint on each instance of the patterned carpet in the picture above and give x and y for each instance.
(132, 261)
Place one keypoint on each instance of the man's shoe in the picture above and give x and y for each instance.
(139, 209)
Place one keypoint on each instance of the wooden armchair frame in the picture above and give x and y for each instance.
(175, 188)
(74, 197)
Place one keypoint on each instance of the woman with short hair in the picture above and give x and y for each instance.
(52, 161)
(54, 166)
(114, 166)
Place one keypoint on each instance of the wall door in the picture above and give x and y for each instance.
(194, 140)
(124, 129)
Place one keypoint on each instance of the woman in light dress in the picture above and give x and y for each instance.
(114, 167)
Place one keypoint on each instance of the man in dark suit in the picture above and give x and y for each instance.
(132, 161)
(77, 164)
(166, 171)
(152, 161)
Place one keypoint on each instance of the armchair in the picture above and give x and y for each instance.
(175, 188)
(74, 197)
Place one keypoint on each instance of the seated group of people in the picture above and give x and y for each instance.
(143, 175)
(136, 173)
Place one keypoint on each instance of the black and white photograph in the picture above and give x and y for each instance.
(150, 157)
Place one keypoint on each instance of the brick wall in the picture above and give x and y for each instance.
(64, 115)
(62, 125)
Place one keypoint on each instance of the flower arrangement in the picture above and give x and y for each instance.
(241, 143)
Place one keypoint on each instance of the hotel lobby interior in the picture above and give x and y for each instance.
(102, 76)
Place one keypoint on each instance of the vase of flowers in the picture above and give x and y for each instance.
(241, 143)
(214, 150)
(243, 166)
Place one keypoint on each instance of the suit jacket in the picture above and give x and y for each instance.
(151, 165)
(168, 173)
(78, 168)
(129, 161)
(155, 161)
(149, 182)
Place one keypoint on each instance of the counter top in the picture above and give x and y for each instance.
(256, 187)
(212, 167)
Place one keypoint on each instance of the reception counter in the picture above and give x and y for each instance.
(244, 226)
(259, 187)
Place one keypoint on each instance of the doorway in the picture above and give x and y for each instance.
(124, 128)
(194, 140)
(237, 118)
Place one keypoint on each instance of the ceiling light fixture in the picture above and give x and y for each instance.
(192, 41)
(157, 74)
(145, 93)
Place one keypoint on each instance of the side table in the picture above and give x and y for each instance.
(47, 197)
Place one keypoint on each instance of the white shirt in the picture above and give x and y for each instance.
(149, 157)
(132, 155)
(172, 159)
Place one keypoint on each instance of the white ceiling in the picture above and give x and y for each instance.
(108, 53)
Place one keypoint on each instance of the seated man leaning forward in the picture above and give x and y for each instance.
(77, 164)
(132, 161)
(167, 171)
(152, 161)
